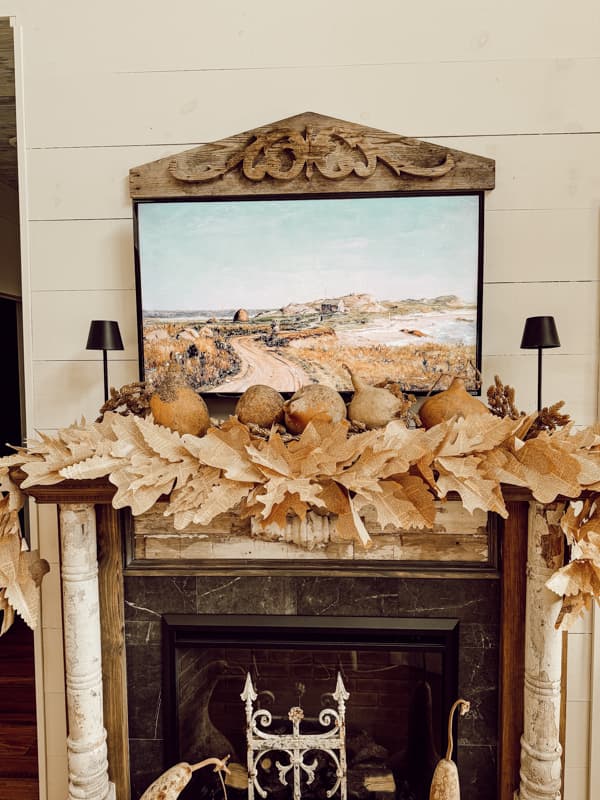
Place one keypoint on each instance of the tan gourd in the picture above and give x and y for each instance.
(445, 784)
(260, 405)
(312, 401)
(454, 401)
(177, 406)
(372, 406)
(172, 782)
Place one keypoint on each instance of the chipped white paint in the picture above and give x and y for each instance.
(86, 743)
(540, 746)
(296, 745)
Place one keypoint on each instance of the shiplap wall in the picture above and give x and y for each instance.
(108, 86)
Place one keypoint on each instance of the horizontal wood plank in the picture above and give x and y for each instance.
(170, 107)
(457, 536)
(59, 180)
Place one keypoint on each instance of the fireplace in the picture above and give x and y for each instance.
(400, 674)
(434, 637)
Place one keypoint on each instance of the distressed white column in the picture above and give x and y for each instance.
(540, 746)
(86, 742)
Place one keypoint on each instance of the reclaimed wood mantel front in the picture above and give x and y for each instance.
(530, 648)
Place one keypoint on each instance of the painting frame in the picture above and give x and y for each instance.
(434, 366)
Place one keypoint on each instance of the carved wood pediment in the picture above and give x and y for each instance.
(311, 153)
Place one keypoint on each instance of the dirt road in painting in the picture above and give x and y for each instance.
(261, 366)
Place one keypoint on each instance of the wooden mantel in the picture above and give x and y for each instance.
(530, 648)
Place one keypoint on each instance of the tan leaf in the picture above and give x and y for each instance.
(581, 575)
(94, 467)
(550, 471)
(226, 449)
(324, 448)
(141, 492)
(335, 500)
(163, 441)
(271, 457)
(224, 496)
(475, 434)
(20, 589)
(278, 490)
(408, 446)
(365, 473)
(350, 526)
(474, 489)
(572, 608)
(403, 504)
(8, 615)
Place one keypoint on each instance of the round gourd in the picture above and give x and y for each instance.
(372, 406)
(454, 401)
(179, 408)
(260, 405)
(311, 401)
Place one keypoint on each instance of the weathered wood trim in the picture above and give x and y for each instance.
(315, 154)
(112, 631)
(512, 647)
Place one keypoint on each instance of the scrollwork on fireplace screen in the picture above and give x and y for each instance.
(296, 745)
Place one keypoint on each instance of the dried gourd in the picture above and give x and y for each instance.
(312, 401)
(371, 406)
(177, 406)
(445, 784)
(454, 401)
(171, 783)
(260, 405)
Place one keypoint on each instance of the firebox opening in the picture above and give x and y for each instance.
(401, 675)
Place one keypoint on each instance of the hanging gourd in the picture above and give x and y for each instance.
(445, 784)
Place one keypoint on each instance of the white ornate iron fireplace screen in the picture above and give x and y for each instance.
(296, 745)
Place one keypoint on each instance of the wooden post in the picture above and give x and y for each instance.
(86, 742)
(540, 745)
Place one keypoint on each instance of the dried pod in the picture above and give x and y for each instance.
(311, 401)
(260, 405)
(454, 401)
(177, 406)
(371, 406)
(445, 784)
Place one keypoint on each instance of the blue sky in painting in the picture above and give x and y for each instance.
(265, 254)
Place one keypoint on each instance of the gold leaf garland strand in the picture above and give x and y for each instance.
(395, 471)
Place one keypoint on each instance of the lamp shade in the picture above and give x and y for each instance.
(539, 332)
(104, 335)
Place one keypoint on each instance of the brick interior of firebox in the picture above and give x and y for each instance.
(381, 687)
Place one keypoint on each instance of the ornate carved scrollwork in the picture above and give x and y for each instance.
(283, 154)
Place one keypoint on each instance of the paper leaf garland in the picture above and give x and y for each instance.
(394, 472)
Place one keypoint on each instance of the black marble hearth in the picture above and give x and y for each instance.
(474, 602)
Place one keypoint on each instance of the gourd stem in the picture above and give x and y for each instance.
(465, 707)
(220, 764)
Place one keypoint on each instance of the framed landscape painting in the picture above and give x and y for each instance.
(286, 291)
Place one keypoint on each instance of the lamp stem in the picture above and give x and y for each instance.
(105, 364)
(539, 392)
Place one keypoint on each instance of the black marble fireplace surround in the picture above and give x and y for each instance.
(474, 602)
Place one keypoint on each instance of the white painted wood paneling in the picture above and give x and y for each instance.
(548, 245)
(61, 322)
(579, 667)
(577, 736)
(521, 97)
(234, 35)
(86, 255)
(85, 183)
(570, 378)
(67, 390)
(537, 172)
(574, 305)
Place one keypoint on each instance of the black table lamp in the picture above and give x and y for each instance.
(539, 332)
(104, 335)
